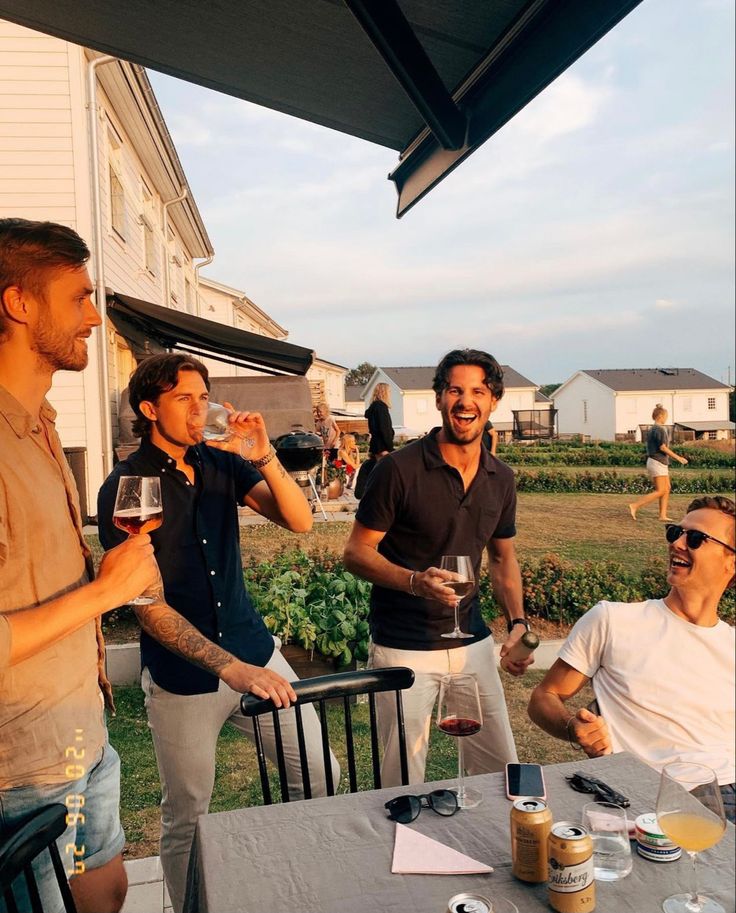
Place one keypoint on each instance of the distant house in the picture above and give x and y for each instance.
(413, 399)
(354, 398)
(617, 404)
(327, 381)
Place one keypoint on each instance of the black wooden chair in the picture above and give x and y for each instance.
(345, 686)
(22, 845)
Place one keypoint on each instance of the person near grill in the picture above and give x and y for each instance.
(207, 644)
(662, 670)
(442, 495)
(53, 739)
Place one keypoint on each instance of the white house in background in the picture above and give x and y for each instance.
(611, 404)
(413, 399)
(328, 382)
(232, 307)
(354, 399)
(55, 98)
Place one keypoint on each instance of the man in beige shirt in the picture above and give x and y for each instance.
(53, 740)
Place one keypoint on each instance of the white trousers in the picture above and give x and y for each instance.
(488, 751)
(185, 730)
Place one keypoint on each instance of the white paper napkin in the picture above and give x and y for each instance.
(415, 854)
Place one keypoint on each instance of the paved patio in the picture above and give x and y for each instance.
(146, 890)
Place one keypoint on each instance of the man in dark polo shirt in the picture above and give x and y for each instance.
(206, 645)
(442, 495)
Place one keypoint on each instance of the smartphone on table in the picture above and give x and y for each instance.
(525, 780)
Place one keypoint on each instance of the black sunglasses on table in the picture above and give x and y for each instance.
(583, 783)
(405, 809)
(694, 537)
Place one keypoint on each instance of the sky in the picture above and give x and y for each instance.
(594, 230)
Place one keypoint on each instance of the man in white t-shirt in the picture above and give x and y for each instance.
(662, 670)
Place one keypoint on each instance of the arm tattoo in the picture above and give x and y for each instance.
(175, 633)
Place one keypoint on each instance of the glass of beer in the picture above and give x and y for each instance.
(690, 812)
(138, 509)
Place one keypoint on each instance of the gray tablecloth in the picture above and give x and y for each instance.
(334, 855)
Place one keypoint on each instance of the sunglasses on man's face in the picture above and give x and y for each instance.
(694, 537)
(405, 809)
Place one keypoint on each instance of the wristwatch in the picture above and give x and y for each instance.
(518, 621)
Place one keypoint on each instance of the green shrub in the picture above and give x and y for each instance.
(313, 601)
(605, 453)
(610, 482)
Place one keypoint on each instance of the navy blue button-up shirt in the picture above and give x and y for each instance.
(198, 551)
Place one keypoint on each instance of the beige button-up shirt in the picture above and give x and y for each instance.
(51, 705)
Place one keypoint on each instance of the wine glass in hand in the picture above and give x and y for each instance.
(459, 715)
(690, 812)
(138, 509)
(462, 585)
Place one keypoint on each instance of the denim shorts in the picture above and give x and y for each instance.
(94, 835)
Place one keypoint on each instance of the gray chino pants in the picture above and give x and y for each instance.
(185, 729)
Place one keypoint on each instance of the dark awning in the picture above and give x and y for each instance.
(433, 79)
(172, 329)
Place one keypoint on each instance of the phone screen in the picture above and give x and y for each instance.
(524, 780)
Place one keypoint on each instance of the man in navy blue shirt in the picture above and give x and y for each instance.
(442, 495)
(205, 644)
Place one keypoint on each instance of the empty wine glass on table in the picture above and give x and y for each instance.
(462, 585)
(138, 509)
(690, 812)
(459, 715)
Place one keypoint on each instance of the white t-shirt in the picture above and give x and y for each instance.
(664, 686)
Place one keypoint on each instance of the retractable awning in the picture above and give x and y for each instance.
(173, 329)
(432, 79)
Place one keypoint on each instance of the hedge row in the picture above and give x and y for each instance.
(562, 591)
(610, 482)
(605, 454)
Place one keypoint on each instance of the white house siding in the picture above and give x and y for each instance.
(43, 176)
(419, 410)
(586, 407)
(635, 409)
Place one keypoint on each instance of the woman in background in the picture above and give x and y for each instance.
(379, 423)
(658, 465)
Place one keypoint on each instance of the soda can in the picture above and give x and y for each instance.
(531, 822)
(469, 903)
(571, 880)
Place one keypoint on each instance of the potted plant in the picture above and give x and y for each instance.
(336, 478)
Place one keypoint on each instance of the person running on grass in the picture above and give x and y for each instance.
(658, 465)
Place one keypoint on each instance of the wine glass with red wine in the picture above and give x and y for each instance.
(138, 509)
(459, 715)
(461, 584)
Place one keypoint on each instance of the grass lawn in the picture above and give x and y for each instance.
(237, 784)
(577, 527)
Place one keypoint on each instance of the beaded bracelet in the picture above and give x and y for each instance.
(264, 460)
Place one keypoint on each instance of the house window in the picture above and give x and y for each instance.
(117, 194)
(148, 222)
(585, 411)
(711, 402)
(188, 297)
(712, 435)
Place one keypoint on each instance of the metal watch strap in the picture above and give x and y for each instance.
(518, 621)
(264, 460)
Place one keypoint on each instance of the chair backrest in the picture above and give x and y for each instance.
(24, 843)
(344, 685)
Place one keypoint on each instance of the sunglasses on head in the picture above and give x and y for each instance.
(694, 537)
(405, 809)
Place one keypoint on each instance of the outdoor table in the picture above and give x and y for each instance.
(334, 855)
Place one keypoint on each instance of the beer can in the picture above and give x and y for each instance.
(469, 903)
(531, 822)
(571, 880)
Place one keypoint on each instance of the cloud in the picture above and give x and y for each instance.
(664, 304)
(568, 105)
